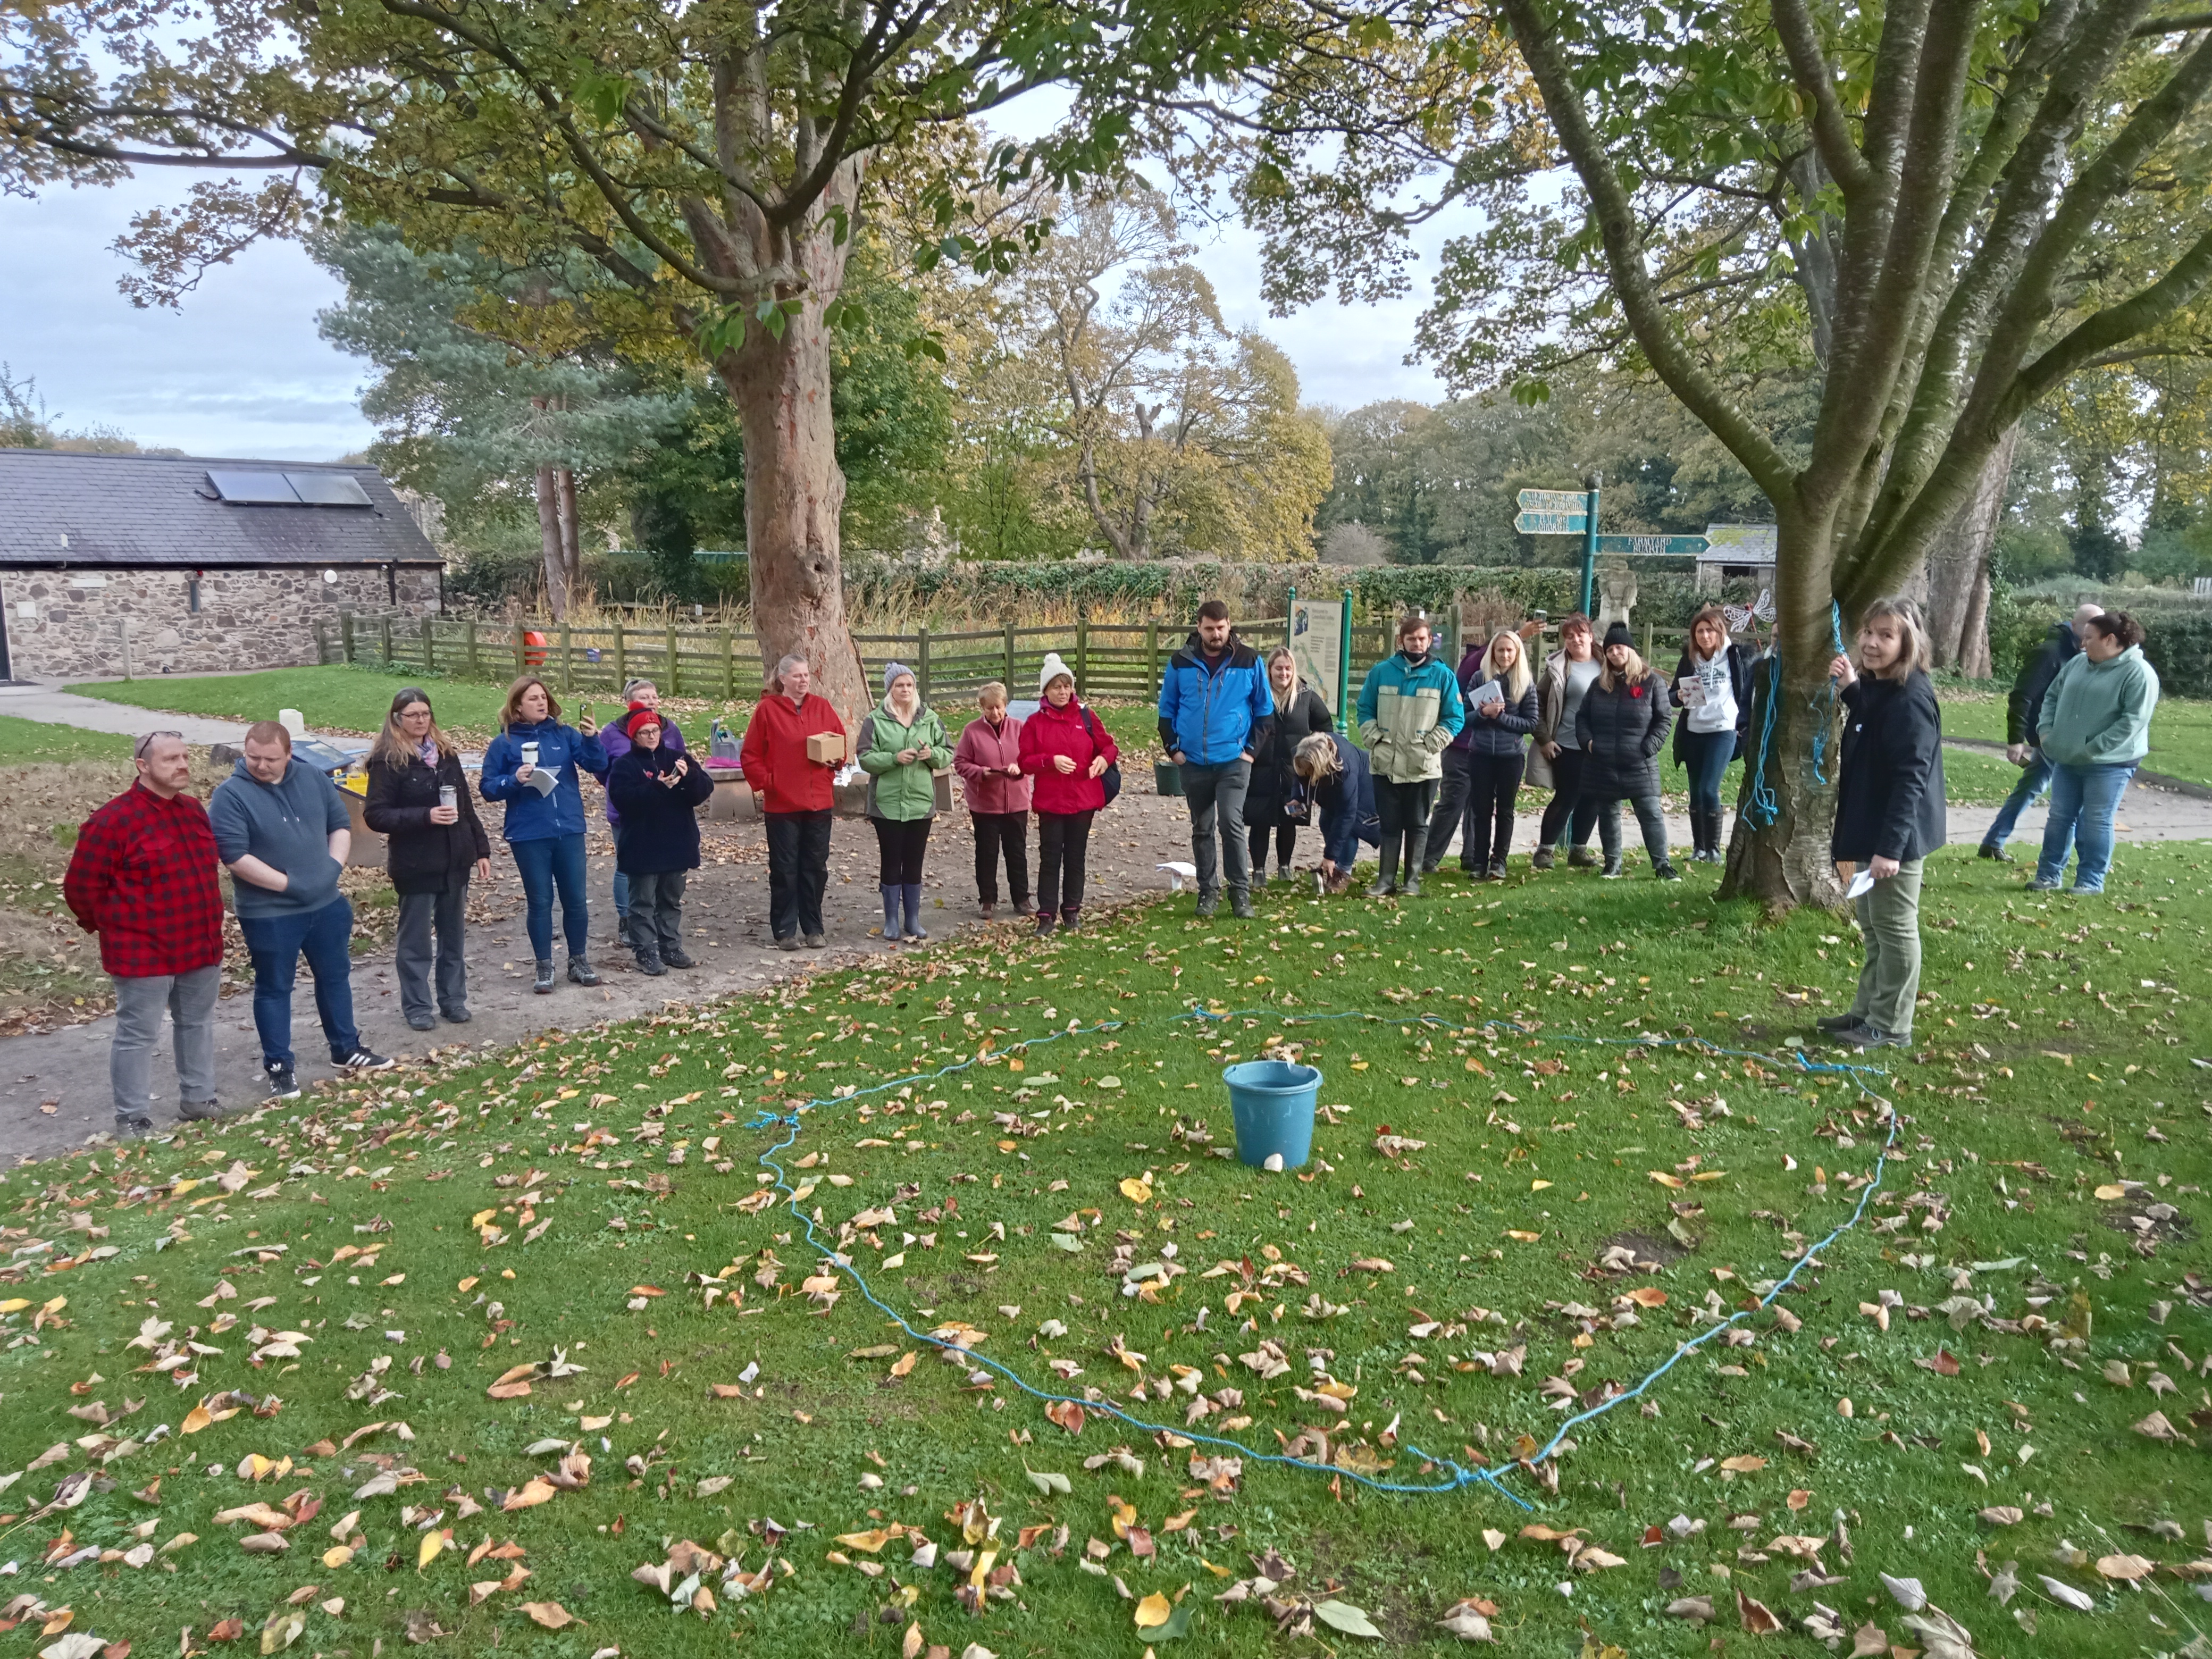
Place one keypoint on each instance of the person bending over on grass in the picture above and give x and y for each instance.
(660, 792)
(798, 798)
(1555, 756)
(1339, 795)
(1409, 711)
(1491, 750)
(1889, 813)
(2095, 728)
(1715, 717)
(531, 765)
(1066, 750)
(1622, 727)
(989, 759)
(901, 745)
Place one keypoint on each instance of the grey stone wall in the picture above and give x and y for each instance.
(265, 618)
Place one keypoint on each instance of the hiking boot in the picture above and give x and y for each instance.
(1542, 860)
(457, 1016)
(1208, 905)
(815, 941)
(676, 957)
(283, 1082)
(1834, 1022)
(1994, 853)
(581, 971)
(1260, 876)
(1044, 924)
(1612, 870)
(364, 1059)
(1497, 870)
(1581, 858)
(649, 964)
(544, 983)
(987, 912)
(1070, 919)
(1240, 904)
(422, 1023)
(787, 942)
(199, 1111)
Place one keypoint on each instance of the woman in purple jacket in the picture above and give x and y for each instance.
(989, 761)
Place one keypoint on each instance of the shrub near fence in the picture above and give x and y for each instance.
(1109, 660)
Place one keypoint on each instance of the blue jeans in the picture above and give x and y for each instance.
(554, 862)
(1709, 754)
(2083, 802)
(2034, 778)
(324, 936)
(622, 881)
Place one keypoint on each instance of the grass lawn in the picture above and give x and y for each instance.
(25, 741)
(281, 1377)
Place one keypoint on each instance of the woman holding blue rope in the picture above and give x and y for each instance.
(1889, 814)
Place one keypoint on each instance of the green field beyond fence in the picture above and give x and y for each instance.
(1108, 659)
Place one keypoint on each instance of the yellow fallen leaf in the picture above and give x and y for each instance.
(1153, 1611)
(466, 1285)
(1137, 1192)
(870, 1541)
(198, 1418)
(427, 1552)
(483, 1216)
(336, 1558)
(1664, 1178)
(2110, 1190)
(904, 1363)
(1538, 1186)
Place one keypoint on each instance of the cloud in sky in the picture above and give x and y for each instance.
(240, 372)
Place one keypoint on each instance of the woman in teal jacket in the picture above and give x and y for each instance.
(1410, 709)
(2094, 729)
(902, 746)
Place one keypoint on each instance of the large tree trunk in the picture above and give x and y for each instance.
(1778, 851)
(795, 490)
(572, 537)
(1958, 568)
(549, 543)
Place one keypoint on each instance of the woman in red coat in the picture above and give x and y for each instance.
(1066, 750)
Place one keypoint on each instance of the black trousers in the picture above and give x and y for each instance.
(1287, 843)
(997, 832)
(1063, 844)
(1493, 785)
(1567, 809)
(1404, 809)
(900, 844)
(798, 871)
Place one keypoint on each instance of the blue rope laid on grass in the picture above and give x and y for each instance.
(1454, 1475)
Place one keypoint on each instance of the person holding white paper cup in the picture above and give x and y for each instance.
(531, 765)
(1889, 814)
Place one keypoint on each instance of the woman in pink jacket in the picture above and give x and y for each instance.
(1066, 750)
(989, 763)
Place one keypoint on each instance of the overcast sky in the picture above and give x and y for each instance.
(240, 372)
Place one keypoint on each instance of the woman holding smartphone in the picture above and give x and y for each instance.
(1889, 813)
(531, 765)
(1715, 684)
(418, 801)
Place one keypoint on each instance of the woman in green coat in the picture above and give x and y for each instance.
(903, 746)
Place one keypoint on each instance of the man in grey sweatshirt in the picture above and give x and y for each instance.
(283, 833)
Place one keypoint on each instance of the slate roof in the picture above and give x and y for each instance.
(59, 508)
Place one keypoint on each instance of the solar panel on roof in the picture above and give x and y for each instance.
(328, 488)
(254, 488)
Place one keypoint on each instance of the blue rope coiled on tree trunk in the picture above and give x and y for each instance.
(1762, 807)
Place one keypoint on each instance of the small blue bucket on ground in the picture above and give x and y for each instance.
(1272, 1103)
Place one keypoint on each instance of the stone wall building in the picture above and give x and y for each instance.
(144, 565)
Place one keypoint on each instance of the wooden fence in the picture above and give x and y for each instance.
(1108, 659)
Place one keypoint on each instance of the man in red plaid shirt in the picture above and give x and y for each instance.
(143, 878)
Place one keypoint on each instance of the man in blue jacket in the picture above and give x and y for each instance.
(1216, 711)
(281, 828)
(2023, 728)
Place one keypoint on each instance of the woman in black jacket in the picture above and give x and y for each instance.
(421, 803)
(1714, 683)
(1889, 813)
(1622, 727)
(658, 792)
(1299, 714)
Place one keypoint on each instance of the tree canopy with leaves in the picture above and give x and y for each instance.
(713, 159)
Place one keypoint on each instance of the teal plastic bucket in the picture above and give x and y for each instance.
(1272, 1103)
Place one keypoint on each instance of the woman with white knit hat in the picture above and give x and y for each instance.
(1067, 750)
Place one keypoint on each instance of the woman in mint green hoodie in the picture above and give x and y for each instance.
(902, 747)
(2095, 727)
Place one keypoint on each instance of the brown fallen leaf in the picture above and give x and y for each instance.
(2128, 1568)
(1068, 1413)
(551, 1614)
(507, 1390)
(904, 1363)
(728, 1390)
(2003, 1515)
(1759, 1619)
(228, 1631)
(2156, 1427)
(1746, 1463)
